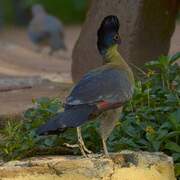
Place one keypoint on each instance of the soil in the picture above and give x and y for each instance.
(19, 58)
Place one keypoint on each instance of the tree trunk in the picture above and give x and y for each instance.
(146, 29)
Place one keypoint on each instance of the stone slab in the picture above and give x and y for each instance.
(126, 165)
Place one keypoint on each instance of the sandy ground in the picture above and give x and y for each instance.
(18, 59)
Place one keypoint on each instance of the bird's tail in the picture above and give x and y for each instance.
(70, 118)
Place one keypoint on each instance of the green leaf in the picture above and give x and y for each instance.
(161, 133)
(175, 57)
(43, 101)
(175, 120)
(177, 169)
(176, 157)
(156, 145)
(171, 135)
(173, 147)
(48, 142)
(164, 61)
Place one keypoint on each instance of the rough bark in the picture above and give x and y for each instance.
(146, 30)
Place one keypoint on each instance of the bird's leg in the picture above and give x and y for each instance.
(82, 146)
(108, 121)
(80, 140)
(105, 147)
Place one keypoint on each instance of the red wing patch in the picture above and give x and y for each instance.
(104, 105)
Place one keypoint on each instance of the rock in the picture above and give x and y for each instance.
(146, 27)
(126, 165)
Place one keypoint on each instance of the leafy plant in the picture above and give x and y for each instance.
(150, 121)
(19, 138)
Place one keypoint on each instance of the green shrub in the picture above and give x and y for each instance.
(149, 122)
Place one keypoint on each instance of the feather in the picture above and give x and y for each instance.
(73, 116)
(110, 85)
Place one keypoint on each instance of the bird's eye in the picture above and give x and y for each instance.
(116, 37)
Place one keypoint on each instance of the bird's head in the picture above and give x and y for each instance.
(108, 34)
(38, 9)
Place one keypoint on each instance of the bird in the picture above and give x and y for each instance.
(45, 29)
(100, 93)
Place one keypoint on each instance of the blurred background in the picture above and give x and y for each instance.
(21, 67)
(19, 11)
(15, 16)
(24, 73)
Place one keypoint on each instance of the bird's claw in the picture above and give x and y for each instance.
(85, 152)
(71, 145)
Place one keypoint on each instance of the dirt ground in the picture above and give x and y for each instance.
(18, 59)
(22, 70)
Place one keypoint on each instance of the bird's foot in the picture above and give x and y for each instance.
(85, 152)
(86, 149)
(106, 153)
(71, 145)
